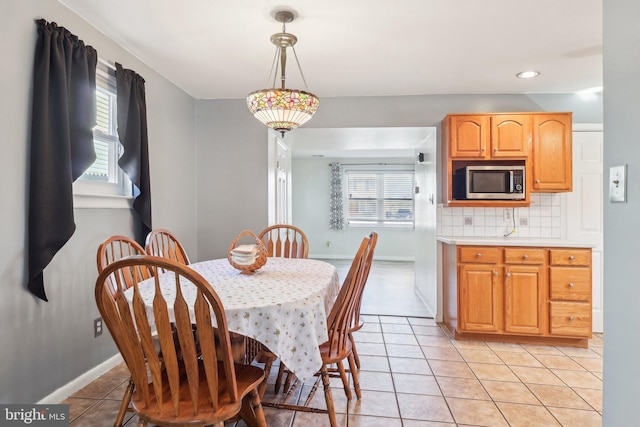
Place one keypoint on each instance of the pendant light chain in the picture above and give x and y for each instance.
(274, 66)
(295, 55)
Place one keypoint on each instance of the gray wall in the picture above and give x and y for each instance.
(621, 225)
(231, 171)
(45, 345)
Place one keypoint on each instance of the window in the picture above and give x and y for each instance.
(104, 177)
(380, 197)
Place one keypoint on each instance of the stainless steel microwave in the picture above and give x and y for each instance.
(490, 183)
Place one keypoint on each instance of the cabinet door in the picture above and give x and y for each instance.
(480, 298)
(524, 305)
(551, 153)
(468, 136)
(510, 135)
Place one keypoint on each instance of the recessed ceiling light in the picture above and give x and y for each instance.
(527, 74)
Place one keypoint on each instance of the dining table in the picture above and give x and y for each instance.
(283, 305)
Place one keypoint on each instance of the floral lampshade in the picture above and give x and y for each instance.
(282, 109)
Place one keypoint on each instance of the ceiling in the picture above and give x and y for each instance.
(216, 49)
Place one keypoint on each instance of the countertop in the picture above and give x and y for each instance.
(512, 241)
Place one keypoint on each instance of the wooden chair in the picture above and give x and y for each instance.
(111, 250)
(183, 386)
(163, 243)
(282, 241)
(339, 347)
(357, 323)
(285, 241)
(115, 248)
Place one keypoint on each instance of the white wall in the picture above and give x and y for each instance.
(311, 178)
(47, 344)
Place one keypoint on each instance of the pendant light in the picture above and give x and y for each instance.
(283, 109)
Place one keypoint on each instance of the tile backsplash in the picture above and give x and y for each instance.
(542, 219)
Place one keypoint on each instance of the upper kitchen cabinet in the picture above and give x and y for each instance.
(489, 136)
(510, 135)
(551, 161)
(468, 136)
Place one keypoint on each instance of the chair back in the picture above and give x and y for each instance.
(163, 243)
(285, 241)
(116, 248)
(182, 384)
(373, 240)
(343, 311)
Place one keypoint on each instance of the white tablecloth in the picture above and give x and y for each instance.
(283, 305)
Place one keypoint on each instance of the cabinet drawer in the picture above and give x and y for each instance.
(570, 318)
(570, 257)
(480, 254)
(524, 256)
(568, 283)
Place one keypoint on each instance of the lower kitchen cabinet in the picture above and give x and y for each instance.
(534, 295)
(480, 289)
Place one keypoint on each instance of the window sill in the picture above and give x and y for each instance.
(99, 201)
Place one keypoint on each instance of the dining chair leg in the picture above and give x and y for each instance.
(124, 405)
(281, 370)
(353, 349)
(328, 397)
(288, 380)
(345, 380)
(354, 375)
(251, 412)
(267, 358)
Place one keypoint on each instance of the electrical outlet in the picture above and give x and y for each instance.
(468, 220)
(524, 221)
(97, 327)
(506, 215)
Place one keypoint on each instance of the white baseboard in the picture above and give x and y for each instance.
(72, 386)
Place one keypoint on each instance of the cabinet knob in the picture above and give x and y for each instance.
(571, 258)
(478, 254)
(571, 318)
(482, 149)
(571, 284)
(508, 274)
(495, 273)
(495, 150)
(537, 181)
(525, 257)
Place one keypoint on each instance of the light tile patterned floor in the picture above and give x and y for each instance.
(414, 375)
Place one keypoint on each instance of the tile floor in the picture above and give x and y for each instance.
(414, 375)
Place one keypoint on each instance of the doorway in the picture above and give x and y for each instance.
(408, 251)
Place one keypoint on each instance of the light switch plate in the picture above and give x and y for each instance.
(618, 184)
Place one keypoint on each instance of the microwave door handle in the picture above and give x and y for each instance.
(511, 182)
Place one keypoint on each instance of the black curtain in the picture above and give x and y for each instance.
(63, 116)
(132, 131)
